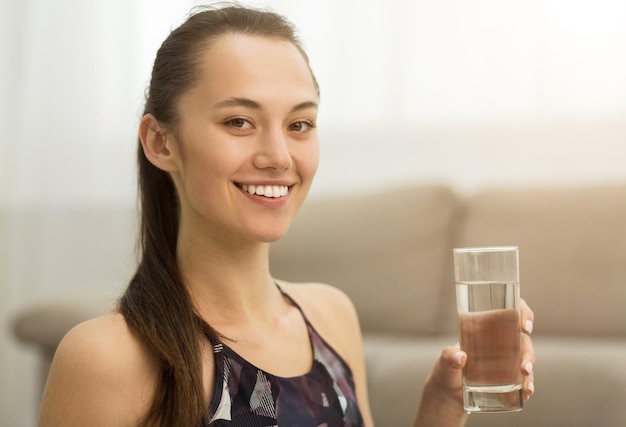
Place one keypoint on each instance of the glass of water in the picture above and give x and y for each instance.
(488, 308)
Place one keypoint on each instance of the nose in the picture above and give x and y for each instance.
(273, 151)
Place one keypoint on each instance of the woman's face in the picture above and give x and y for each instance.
(246, 147)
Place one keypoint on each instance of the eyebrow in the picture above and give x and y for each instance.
(254, 105)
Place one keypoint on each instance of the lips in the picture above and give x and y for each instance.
(270, 191)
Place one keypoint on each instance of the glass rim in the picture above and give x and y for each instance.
(485, 249)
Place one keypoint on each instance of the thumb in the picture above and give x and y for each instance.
(447, 370)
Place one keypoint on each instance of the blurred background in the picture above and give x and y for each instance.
(471, 93)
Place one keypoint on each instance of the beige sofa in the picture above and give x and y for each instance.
(391, 252)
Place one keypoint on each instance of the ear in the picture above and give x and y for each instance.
(155, 144)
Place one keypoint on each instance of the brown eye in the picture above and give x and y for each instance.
(239, 123)
(302, 126)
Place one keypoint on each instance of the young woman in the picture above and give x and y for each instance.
(204, 335)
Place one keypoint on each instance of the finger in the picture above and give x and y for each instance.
(454, 356)
(528, 350)
(447, 370)
(528, 365)
(528, 317)
(528, 386)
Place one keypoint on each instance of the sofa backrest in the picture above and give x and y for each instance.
(572, 252)
(389, 251)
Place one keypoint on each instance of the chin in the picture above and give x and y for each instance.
(271, 230)
(271, 237)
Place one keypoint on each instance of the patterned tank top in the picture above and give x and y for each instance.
(246, 396)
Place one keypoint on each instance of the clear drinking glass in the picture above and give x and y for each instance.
(487, 294)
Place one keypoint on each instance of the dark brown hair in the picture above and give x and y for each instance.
(156, 304)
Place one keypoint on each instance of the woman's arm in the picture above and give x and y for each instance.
(442, 398)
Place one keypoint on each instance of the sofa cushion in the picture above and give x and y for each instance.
(389, 251)
(397, 368)
(572, 252)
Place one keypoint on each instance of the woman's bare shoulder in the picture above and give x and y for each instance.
(331, 312)
(326, 299)
(101, 375)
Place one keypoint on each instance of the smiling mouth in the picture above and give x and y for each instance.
(270, 191)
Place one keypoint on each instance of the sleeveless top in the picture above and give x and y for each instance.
(246, 396)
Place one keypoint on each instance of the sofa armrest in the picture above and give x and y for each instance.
(44, 323)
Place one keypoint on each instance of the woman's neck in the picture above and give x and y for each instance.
(228, 281)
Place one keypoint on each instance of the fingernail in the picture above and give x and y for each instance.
(528, 325)
(531, 387)
(529, 368)
(458, 357)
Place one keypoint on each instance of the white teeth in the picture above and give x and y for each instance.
(271, 191)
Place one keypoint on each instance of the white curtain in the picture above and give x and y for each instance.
(402, 82)
(75, 71)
